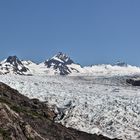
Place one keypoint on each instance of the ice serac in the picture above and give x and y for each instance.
(13, 65)
(62, 63)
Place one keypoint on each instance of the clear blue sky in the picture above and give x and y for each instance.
(90, 31)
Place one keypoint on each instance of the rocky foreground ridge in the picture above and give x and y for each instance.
(22, 118)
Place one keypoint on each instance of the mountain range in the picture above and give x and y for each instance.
(60, 64)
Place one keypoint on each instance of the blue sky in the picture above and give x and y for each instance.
(90, 31)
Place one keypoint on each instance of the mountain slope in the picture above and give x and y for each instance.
(24, 119)
(13, 65)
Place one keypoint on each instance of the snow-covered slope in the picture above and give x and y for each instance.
(13, 65)
(34, 68)
(77, 70)
(93, 104)
(110, 70)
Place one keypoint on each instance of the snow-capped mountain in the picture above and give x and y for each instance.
(13, 65)
(59, 58)
(61, 64)
(121, 64)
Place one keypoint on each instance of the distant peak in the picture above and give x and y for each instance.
(60, 53)
(60, 61)
(62, 57)
(13, 65)
(121, 63)
(12, 59)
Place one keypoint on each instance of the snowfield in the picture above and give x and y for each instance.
(94, 104)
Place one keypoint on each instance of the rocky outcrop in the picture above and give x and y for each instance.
(22, 118)
(13, 127)
(133, 82)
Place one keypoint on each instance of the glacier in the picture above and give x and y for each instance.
(102, 104)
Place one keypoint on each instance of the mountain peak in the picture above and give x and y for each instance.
(60, 62)
(13, 65)
(121, 64)
(14, 60)
(61, 55)
(62, 58)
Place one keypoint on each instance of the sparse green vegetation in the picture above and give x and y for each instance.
(29, 138)
(26, 111)
(2, 100)
(4, 134)
(20, 109)
(17, 109)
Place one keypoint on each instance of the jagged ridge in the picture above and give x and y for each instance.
(60, 62)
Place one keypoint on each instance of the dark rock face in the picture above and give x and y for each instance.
(13, 60)
(22, 118)
(133, 82)
(60, 62)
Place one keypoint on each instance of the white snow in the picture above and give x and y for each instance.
(57, 59)
(99, 104)
(77, 70)
(101, 70)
